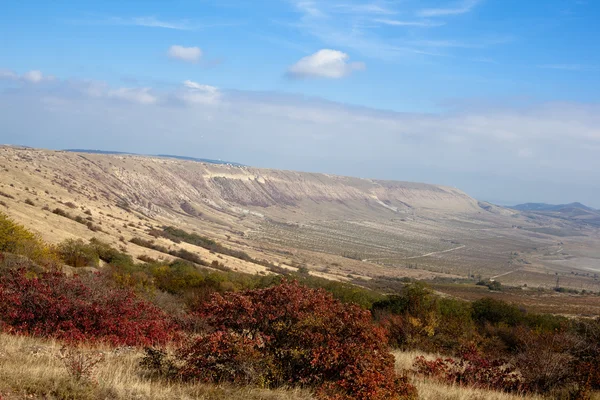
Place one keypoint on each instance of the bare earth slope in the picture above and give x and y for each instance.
(337, 226)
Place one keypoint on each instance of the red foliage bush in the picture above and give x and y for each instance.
(471, 369)
(73, 309)
(293, 335)
(224, 357)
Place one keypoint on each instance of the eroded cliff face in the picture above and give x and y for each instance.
(161, 186)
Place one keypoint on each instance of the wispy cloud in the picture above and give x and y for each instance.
(309, 8)
(450, 43)
(369, 8)
(32, 77)
(570, 67)
(422, 23)
(145, 21)
(359, 27)
(152, 22)
(460, 8)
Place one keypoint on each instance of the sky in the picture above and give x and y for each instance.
(499, 98)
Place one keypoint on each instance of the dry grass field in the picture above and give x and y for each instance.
(32, 369)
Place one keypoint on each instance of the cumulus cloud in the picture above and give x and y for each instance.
(187, 54)
(325, 63)
(33, 76)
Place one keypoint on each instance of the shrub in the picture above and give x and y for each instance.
(492, 285)
(472, 369)
(73, 309)
(15, 238)
(70, 204)
(412, 318)
(77, 253)
(80, 365)
(496, 312)
(61, 212)
(110, 255)
(293, 335)
(544, 359)
(29, 202)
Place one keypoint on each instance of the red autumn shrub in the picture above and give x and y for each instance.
(545, 359)
(293, 335)
(74, 309)
(224, 357)
(472, 369)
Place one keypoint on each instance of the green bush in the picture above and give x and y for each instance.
(77, 253)
(488, 310)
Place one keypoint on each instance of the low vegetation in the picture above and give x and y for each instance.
(294, 334)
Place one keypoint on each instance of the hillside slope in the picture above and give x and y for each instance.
(337, 226)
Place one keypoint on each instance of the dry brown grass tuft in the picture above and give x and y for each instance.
(32, 367)
(431, 390)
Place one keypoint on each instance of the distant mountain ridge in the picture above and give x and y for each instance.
(108, 152)
(550, 207)
(575, 212)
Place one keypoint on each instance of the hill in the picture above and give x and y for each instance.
(550, 207)
(573, 212)
(341, 228)
(110, 152)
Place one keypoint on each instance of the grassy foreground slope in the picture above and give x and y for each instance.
(216, 333)
(33, 366)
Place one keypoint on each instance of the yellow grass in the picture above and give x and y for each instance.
(31, 368)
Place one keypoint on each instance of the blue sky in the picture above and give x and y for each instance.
(496, 97)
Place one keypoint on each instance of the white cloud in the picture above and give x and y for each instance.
(362, 9)
(142, 21)
(134, 95)
(153, 22)
(187, 54)
(555, 142)
(325, 63)
(196, 93)
(309, 7)
(421, 23)
(570, 67)
(33, 76)
(360, 26)
(461, 8)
